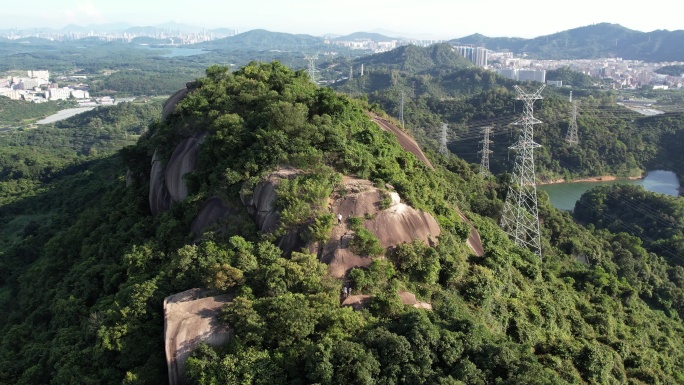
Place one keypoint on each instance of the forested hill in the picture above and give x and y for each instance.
(85, 266)
(263, 40)
(365, 36)
(658, 218)
(436, 71)
(590, 42)
(415, 59)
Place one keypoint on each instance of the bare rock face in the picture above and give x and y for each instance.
(166, 182)
(385, 216)
(159, 197)
(260, 203)
(402, 223)
(191, 318)
(210, 213)
(408, 298)
(360, 301)
(173, 100)
(183, 160)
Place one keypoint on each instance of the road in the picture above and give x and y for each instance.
(64, 114)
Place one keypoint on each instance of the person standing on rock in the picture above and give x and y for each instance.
(339, 218)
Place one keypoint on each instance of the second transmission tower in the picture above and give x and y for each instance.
(401, 110)
(484, 163)
(520, 218)
(312, 66)
(443, 149)
(571, 137)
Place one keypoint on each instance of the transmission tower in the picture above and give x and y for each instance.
(571, 137)
(520, 218)
(401, 110)
(312, 66)
(443, 141)
(351, 73)
(484, 163)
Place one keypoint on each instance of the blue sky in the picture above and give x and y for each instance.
(426, 18)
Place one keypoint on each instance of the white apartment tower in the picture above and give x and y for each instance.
(477, 55)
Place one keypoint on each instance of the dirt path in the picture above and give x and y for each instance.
(408, 143)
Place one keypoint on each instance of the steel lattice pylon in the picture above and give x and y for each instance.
(520, 218)
(312, 66)
(443, 149)
(484, 163)
(571, 136)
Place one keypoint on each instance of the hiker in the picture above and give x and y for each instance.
(344, 292)
(339, 218)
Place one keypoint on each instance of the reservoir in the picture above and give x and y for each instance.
(564, 195)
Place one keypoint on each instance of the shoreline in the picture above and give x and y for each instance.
(604, 178)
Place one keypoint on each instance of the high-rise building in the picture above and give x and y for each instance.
(523, 74)
(533, 75)
(477, 55)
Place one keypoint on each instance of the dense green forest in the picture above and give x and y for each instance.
(18, 112)
(30, 159)
(657, 218)
(84, 266)
(672, 70)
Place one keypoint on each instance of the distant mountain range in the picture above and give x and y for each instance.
(262, 40)
(366, 36)
(114, 28)
(588, 42)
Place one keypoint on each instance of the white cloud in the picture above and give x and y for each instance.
(87, 9)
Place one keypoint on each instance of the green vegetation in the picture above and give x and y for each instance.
(84, 267)
(572, 78)
(302, 202)
(364, 242)
(19, 112)
(657, 218)
(31, 158)
(672, 70)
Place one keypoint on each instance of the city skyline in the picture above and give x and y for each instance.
(430, 19)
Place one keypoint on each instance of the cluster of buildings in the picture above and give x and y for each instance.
(378, 46)
(623, 73)
(173, 37)
(365, 44)
(38, 88)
